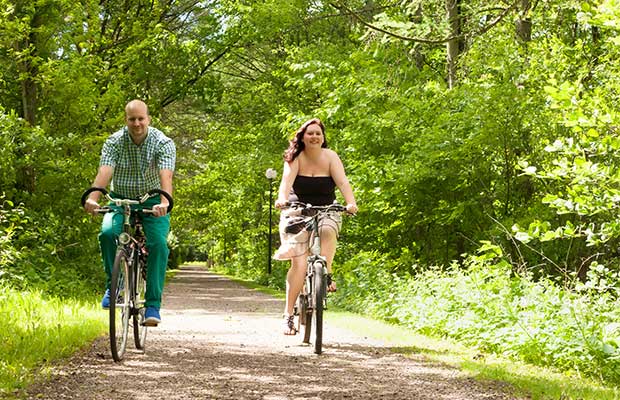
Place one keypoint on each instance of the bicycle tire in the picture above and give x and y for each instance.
(319, 302)
(119, 306)
(305, 317)
(139, 330)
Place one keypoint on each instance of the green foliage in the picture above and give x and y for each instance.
(12, 222)
(487, 306)
(9, 130)
(577, 163)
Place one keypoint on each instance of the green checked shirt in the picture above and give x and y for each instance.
(136, 168)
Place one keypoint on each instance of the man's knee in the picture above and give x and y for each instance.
(158, 244)
(107, 235)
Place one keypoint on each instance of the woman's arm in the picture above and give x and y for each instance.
(289, 173)
(336, 170)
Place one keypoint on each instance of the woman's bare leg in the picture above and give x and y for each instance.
(328, 249)
(294, 282)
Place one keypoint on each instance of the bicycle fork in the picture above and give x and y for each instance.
(134, 308)
(311, 290)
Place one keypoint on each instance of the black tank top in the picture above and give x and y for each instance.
(316, 190)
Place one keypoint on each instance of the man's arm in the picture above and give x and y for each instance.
(165, 177)
(102, 180)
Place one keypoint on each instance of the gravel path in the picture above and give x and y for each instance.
(219, 340)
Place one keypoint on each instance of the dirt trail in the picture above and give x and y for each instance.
(219, 340)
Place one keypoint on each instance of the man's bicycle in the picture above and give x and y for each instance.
(128, 286)
(312, 299)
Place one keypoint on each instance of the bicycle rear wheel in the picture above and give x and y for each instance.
(119, 306)
(319, 302)
(139, 330)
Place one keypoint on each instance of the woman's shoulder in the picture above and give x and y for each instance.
(330, 153)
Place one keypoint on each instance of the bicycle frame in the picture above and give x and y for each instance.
(312, 299)
(314, 259)
(132, 244)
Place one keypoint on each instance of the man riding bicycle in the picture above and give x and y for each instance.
(134, 160)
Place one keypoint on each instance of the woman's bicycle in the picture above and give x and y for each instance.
(128, 286)
(312, 299)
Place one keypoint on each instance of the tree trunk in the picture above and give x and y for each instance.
(26, 174)
(453, 46)
(524, 23)
(29, 93)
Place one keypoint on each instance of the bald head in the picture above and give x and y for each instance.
(138, 120)
(137, 105)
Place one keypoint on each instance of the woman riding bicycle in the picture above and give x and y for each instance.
(311, 174)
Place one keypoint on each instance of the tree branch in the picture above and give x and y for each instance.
(176, 95)
(481, 31)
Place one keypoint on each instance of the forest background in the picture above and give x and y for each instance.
(481, 139)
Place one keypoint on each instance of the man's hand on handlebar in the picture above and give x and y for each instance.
(159, 210)
(91, 206)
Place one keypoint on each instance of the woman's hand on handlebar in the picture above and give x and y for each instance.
(281, 203)
(352, 208)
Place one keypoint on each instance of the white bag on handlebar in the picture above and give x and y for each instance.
(294, 236)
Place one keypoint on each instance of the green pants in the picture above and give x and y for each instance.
(156, 231)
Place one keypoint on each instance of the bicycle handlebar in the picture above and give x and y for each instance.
(307, 206)
(122, 202)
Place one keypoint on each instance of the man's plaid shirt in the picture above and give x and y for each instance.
(136, 168)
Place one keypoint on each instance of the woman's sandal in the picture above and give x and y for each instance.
(329, 282)
(289, 325)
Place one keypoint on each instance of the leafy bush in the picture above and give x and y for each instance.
(488, 306)
(12, 222)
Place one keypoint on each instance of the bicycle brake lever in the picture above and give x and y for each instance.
(145, 197)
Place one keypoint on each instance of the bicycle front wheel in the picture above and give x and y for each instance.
(119, 306)
(305, 316)
(320, 288)
(139, 330)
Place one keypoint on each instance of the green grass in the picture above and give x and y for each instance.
(37, 329)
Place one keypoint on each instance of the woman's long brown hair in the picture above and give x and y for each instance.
(296, 145)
